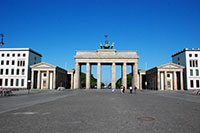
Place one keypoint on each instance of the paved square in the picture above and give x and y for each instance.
(101, 111)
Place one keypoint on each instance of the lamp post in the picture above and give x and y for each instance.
(1, 43)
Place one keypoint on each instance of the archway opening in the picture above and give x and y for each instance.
(106, 76)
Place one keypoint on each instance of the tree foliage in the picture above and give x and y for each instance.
(129, 81)
(93, 81)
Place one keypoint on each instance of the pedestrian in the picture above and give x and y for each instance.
(122, 89)
(131, 89)
(113, 90)
(135, 90)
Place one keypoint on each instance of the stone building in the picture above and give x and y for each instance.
(106, 57)
(190, 59)
(47, 76)
(165, 77)
(142, 79)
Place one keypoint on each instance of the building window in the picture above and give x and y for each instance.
(6, 82)
(18, 55)
(178, 63)
(196, 55)
(168, 75)
(44, 83)
(7, 71)
(3, 55)
(1, 72)
(2, 62)
(12, 71)
(17, 72)
(24, 55)
(1, 82)
(11, 82)
(23, 70)
(190, 55)
(197, 83)
(8, 55)
(13, 62)
(178, 58)
(197, 72)
(17, 82)
(35, 58)
(7, 62)
(191, 72)
(193, 63)
(22, 82)
(13, 55)
(23, 63)
(168, 84)
(191, 83)
(45, 74)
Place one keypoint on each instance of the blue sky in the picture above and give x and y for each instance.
(57, 28)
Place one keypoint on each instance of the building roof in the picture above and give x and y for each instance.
(106, 54)
(20, 49)
(167, 66)
(45, 65)
(186, 49)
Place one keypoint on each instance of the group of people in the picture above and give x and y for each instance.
(122, 88)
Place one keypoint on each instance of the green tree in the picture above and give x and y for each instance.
(93, 81)
(129, 81)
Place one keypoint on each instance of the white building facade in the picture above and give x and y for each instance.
(15, 67)
(165, 77)
(190, 59)
(47, 76)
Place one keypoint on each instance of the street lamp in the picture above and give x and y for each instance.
(1, 43)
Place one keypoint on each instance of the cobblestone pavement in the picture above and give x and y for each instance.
(102, 111)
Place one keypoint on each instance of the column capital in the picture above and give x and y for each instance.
(124, 63)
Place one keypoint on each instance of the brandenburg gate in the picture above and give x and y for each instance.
(106, 56)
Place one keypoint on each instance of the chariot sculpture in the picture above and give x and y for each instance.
(106, 44)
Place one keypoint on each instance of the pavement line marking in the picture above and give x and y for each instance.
(25, 113)
(46, 100)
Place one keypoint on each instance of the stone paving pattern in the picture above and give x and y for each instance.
(102, 111)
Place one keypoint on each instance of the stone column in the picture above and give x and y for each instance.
(72, 81)
(32, 78)
(54, 79)
(124, 81)
(175, 80)
(165, 78)
(140, 81)
(135, 81)
(38, 80)
(77, 76)
(80, 75)
(113, 76)
(47, 79)
(99, 75)
(88, 74)
(158, 80)
(181, 79)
